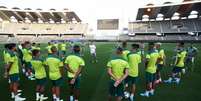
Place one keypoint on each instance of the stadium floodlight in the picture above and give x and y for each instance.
(149, 10)
(158, 34)
(159, 17)
(63, 21)
(193, 14)
(191, 33)
(145, 18)
(131, 34)
(175, 16)
(13, 19)
(51, 21)
(27, 20)
(40, 21)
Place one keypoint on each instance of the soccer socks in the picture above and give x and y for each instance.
(146, 94)
(12, 95)
(132, 97)
(169, 80)
(126, 94)
(37, 96)
(151, 92)
(71, 98)
(18, 98)
(177, 80)
(54, 97)
(42, 97)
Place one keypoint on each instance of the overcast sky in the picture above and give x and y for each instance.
(89, 10)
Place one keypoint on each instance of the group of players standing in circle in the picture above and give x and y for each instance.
(124, 73)
(34, 67)
(122, 68)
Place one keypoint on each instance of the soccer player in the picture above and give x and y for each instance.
(12, 72)
(74, 64)
(179, 65)
(35, 46)
(27, 56)
(20, 55)
(118, 71)
(152, 58)
(55, 65)
(63, 48)
(191, 54)
(92, 47)
(48, 48)
(125, 50)
(134, 59)
(40, 74)
(161, 64)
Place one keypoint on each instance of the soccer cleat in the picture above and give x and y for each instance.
(145, 94)
(13, 95)
(31, 78)
(126, 95)
(132, 98)
(19, 91)
(168, 81)
(151, 92)
(177, 80)
(37, 96)
(42, 98)
(71, 98)
(18, 98)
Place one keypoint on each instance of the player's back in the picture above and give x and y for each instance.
(54, 63)
(153, 58)
(38, 66)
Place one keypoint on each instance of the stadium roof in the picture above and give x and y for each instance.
(169, 9)
(33, 15)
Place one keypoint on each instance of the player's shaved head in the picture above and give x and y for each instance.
(151, 45)
(54, 49)
(135, 46)
(35, 52)
(12, 46)
(76, 48)
(119, 50)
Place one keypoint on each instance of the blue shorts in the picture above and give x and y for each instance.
(58, 82)
(14, 78)
(177, 69)
(116, 91)
(150, 77)
(131, 80)
(41, 82)
(76, 85)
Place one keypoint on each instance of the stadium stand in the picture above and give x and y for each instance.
(38, 25)
(170, 21)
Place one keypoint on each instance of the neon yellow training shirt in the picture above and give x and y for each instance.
(27, 55)
(13, 59)
(48, 48)
(118, 67)
(134, 59)
(54, 64)
(152, 58)
(161, 55)
(38, 66)
(181, 57)
(63, 47)
(125, 53)
(74, 62)
(6, 56)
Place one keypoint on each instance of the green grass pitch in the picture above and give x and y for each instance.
(94, 83)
